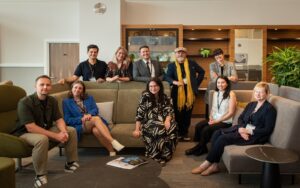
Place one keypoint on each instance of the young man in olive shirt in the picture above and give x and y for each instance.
(36, 115)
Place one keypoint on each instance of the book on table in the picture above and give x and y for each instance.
(128, 162)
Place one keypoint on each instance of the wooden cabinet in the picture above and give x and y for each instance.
(195, 37)
(209, 37)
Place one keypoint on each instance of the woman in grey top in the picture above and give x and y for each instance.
(221, 67)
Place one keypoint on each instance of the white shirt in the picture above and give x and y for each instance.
(220, 106)
(151, 67)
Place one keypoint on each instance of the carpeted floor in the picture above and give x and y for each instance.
(176, 174)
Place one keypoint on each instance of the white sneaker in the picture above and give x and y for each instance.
(116, 145)
(70, 168)
(40, 181)
(112, 154)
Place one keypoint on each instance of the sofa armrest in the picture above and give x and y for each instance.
(13, 147)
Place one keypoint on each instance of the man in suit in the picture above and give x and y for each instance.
(145, 68)
(185, 76)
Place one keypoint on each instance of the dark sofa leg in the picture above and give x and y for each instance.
(19, 164)
(240, 179)
(60, 151)
(293, 179)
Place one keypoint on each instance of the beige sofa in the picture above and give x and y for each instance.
(125, 97)
(285, 135)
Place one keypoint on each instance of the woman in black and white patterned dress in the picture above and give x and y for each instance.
(156, 123)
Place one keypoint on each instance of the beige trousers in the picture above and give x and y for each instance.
(40, 145)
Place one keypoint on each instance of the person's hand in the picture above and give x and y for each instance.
(86, 117)
(136, 133)
(245, 136)
(212, 122)
(215, 75)
(61, 81)
(167, 124)
(100, 80)
(116, 77)
(62, 137)
(242, 130)
(178, 83)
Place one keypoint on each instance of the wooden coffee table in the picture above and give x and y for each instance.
(271, 158)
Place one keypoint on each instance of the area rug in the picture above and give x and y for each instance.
(94, 173)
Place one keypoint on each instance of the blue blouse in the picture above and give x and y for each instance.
(73, 114)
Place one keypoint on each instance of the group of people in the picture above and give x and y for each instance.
(160, 120)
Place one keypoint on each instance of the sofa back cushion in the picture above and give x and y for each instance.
(290, 93)
(9, 98)
(274, 89)
(128, 99)
(60, 96)
(105, 95)
(57, 88)
(286, 131)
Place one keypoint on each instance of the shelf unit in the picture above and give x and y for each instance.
(195, 37)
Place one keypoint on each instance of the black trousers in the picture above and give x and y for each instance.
(222, 138)
(204, 131)
(183, 117)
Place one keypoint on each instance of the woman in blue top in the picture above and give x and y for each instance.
(80, 111)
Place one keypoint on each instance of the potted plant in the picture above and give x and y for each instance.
(285, 66)
(205, 52)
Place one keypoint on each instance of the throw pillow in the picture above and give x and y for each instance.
(106, 110)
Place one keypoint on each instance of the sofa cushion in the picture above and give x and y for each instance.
(237, 162)
(60, 96)
(104, 95)
(106, 110)
(123, 132)
(127, 105)
(96, 85)
(286, 131)
(290, 93)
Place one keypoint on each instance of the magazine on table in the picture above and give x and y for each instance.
(128, 162)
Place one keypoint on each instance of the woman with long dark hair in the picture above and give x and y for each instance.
(156, 123)
(222, 111)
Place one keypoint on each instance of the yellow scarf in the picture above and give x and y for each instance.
(181, 99)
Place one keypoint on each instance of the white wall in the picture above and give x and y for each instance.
(103, 30)
(252, 47)
(26, 25)
(213, 12)
(24, 28)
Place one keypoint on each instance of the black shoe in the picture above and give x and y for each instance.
(193, 150)
(200, 152)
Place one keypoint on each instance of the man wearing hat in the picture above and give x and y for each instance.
(145, 68)
(185, 76)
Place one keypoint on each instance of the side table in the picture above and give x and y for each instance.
(271, 158)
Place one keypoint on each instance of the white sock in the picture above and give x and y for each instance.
(116, 145)
(112, 154)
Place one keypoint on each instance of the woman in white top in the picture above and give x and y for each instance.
(223, 108)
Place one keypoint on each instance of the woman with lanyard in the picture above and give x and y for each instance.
(223, 108)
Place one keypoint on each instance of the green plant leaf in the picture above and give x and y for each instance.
(285, 66)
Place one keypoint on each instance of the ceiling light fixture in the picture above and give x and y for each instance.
(99, 8)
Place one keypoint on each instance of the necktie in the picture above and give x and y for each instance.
(148, 64)
(222, 70)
